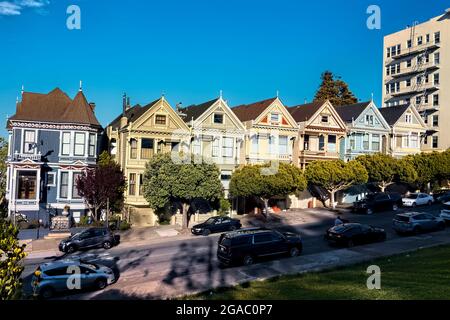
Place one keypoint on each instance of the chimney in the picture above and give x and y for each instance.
(92, 105)
(124, 103)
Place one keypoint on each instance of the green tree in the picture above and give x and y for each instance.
(334, 90)
(3, 169)
(259, 181)
(335, 175)
(105, 159)
(431, 168)
(11, 254)
(166, 181)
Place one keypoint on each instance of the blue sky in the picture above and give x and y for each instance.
(191, 49)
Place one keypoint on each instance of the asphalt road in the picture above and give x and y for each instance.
(181, 260)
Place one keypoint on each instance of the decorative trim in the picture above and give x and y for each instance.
(36, 125)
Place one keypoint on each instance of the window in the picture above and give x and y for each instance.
(331, 143)
(218, 118)
(27, 185)
(227, 147)
(366, 142)
(435, 100)
(437, 37)
(91, 145)
(408, 118)
(147, 148)
(427, 58)
(64, 185)
(408, 63)
(435, 142)
(196, 147)
(427, 37)
(408, 83)
(215, 148)
(399, 47)
(418, 100)
(132, 184)
(29, 142)
(321, 143)
(369, 119)
(160, 119)
(306, 142)
(175, 146)
(352, 142)
(133, 147)
(436, 78)
(65, 150)
(261, 238)
(419, 40)
(324, 119)
(425, 97)
(388, 52)
(437, 58)
(254, 144)
(414, 143)
(283, 145)
(435, 120)
(409, 43)
(75, 192)
(274, 117)
(141, 184)
(388, 71)
(272, 145)
(79, 144)
(225, 175)
(398, 68)
(51, 179)
(375, 142)
(425, 119)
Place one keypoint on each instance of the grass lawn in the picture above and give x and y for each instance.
(424, 274)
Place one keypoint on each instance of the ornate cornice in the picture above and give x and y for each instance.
(53, 126)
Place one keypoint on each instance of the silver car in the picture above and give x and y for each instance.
(417, 222)
(69, 275)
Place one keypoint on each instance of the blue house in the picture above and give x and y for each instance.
(52, 139)
(368, 131)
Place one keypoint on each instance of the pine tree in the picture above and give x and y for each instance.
(336, 91)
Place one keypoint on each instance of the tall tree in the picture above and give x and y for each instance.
(335, 90)
(101, 184)
(11, 254)
(166, 182)
(253, 180)
(431, 168)
(335, 175)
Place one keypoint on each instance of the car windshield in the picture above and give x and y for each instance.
(210, 221)
(402, 218)
(340, 228)
(412, 196)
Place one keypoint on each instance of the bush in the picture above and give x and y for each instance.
(83, 221)
(124, 225)
(224, 206)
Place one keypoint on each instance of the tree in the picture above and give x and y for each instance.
(335, 175)
(11, 254)
(336, 91)
(101, 184)
(3, 169)
(166, 182)
(431, 168)
(251, 180)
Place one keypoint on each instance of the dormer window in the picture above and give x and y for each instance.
(160, 119)
(218, 118)
(369, 120)
(324, 119)
(408, 118)
(274, 118)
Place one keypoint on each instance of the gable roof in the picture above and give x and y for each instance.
(304, 112)
(133, 113)
(246, 112)
(351, 112)
(55, 106)
(392, 114)
(196, 110)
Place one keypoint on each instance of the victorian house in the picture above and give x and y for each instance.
(271, 132)
(217, 135)
(137, 134)
(52, 139)
(321, 130)
(407, 130)
(368, 132)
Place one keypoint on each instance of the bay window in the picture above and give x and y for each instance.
(79, 144)
(215, 148)
(331, 143)
(64, 185)
(227, 147)
(91, 145)
(133, 149)
(375, 142)
(321, 143)
(27, 185)
(283, 145)
(132, 184)
(366, 142)
(75, 192)
(65, 146)
(254, 144)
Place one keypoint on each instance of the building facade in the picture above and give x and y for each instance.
(407, 130)
(320, 131)
(134, 137)
(368, 132)
(52, 139)
(217, 135)
(416, 69)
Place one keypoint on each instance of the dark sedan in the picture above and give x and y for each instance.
(350, 234)
(89, 238)
(216, 224)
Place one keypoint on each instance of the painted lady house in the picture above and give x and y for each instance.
(52, 139)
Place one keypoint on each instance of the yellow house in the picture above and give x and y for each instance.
(407, 130)
(320, 132)
(134, 137)
(271, 131)
(217, 135)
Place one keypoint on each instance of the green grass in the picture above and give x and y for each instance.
(424, 274)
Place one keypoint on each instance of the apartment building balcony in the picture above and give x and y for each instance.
(432, 45)
(429, 87)
(429, 66)
(426, 108)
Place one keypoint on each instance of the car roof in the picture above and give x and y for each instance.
(59, 264)
(246, 231)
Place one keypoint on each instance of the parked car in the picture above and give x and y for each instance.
(417, 222)
(379, 201)
(51, 278)
(442, 197)
(89, 238)
(246, 245)
(216, 224)
(417, 199)
(445, 212)
(350, 234)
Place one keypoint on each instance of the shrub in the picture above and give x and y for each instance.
(124, 225)
(224, 206)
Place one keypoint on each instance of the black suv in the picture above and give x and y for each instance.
(379, 201)
(246, 245)
(216, 224)
(89, 238)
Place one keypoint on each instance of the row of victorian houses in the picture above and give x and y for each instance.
(53, 138)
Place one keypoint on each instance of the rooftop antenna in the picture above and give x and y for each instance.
(81, 86)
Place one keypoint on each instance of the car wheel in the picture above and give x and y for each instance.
(395, 207)
(206, 232)
(70, 249)
(248, 260)
(417, 230)
(46, 293)
(294, 252)
(100, 284)
(350, 243)
(369, 211)
(107, 245)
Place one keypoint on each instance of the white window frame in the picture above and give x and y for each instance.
(94, 145)
(227, 148)
(282, 145)
(54, 179)
(25, 142)
(63, 143)
(75, 144)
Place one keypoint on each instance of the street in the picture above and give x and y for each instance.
(192, 263)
